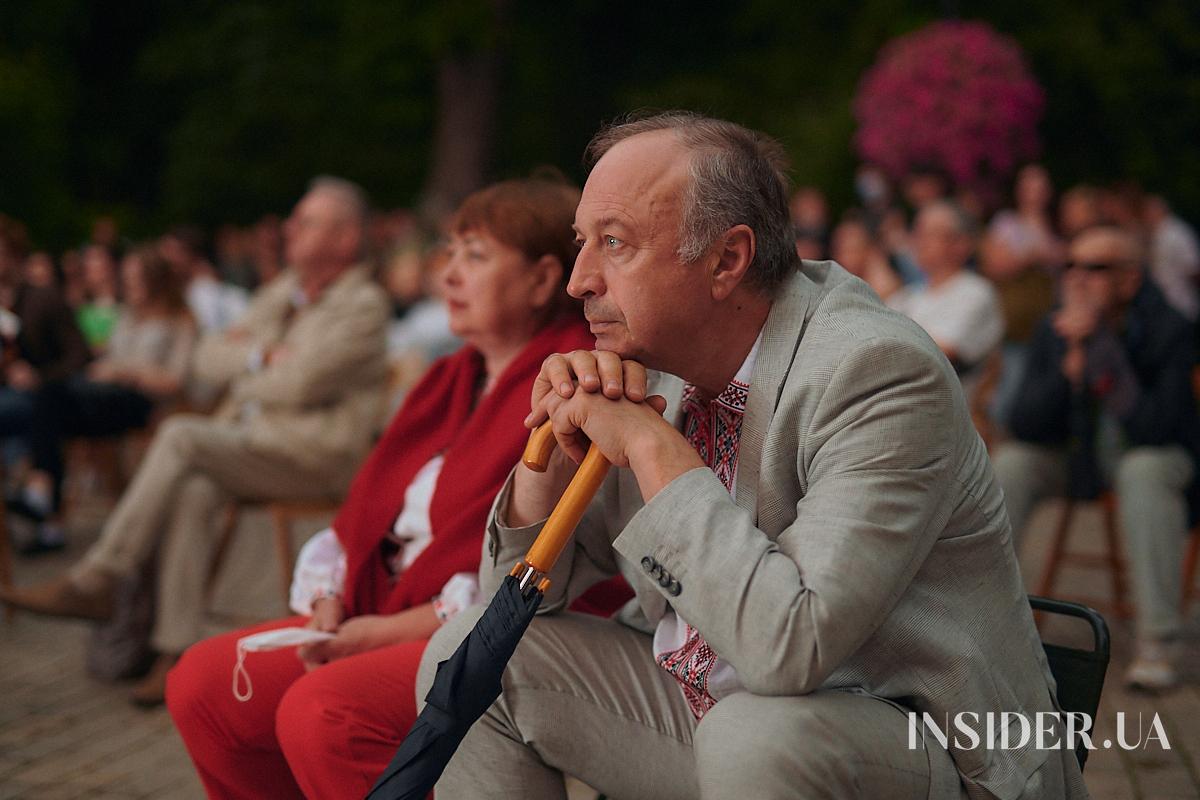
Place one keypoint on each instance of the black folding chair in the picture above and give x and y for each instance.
(1078, 673)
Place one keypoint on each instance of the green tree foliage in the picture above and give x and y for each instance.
(208, 111)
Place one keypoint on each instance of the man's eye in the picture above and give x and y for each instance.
(612, 242)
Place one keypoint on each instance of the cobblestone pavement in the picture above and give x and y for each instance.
(66, 735)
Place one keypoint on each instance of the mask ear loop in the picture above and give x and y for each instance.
(240, 675)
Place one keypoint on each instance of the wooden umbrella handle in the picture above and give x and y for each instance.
(548, 546)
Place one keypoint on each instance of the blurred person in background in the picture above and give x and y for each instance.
(810, 220)
(70, 270)
(419, 331)
(402, 556)
(1174, 256)
(39, 271)
(1029, 226)
(1121, 205)
(1025, 291)
(144, 365)
(97, 316)
(1106, 400)
(231, 248)
(305, 371)
(40, 344)
(1078, 210)
(215, 304)
(266, 249)
(874, 193)
(855, 249)
(956, 307)
(925, 184)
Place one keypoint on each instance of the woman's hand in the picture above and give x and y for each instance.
(369, 632)
(327, 614)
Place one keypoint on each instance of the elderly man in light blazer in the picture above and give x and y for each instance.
(304, 374)
(812, 529)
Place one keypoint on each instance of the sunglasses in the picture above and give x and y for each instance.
(1093, 266)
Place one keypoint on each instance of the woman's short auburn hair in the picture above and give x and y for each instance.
(533, 215)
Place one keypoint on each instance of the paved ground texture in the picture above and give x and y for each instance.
(66, 735)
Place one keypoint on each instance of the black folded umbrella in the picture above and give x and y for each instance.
(468, 682)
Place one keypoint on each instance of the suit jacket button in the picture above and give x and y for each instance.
(674, 588)
(665, 579)
(648, 563)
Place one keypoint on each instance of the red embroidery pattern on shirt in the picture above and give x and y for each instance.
(713, 429)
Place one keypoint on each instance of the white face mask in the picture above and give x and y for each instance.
(269, 640)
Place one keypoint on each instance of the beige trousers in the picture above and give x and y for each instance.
(1151, 486)
(583, 696)
(195, 466)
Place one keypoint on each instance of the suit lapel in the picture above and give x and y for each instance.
(780, 338)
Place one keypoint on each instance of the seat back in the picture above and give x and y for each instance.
(1078, 673)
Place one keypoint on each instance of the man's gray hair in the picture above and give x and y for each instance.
(349, 193)
(737, 177)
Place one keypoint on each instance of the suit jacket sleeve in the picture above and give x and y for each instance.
(587, 559)
(877, 460)
(222, 356)
(320, 366)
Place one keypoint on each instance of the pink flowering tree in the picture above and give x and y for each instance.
(955, 96)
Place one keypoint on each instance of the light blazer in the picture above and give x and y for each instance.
(868, 550)
(320, 406)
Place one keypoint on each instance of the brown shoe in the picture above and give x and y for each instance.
(151, 690)
(61, 597)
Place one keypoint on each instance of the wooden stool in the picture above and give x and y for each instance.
(1111, 559)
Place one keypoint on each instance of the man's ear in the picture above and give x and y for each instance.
(547, 273)
(734, 253)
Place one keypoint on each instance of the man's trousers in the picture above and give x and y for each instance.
(194, 467)
(584, 696)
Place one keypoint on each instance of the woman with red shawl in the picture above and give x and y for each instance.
(402, 553)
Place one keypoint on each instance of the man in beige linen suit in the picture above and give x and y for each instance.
(304, 371)
(812, 528)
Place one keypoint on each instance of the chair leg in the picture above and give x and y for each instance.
(1057, 548)
(1115, 558)
(5, 563)
(1190, 562)
(283, 546)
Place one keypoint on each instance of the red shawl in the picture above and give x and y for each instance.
(480, 445)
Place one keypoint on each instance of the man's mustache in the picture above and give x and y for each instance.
(596, 312)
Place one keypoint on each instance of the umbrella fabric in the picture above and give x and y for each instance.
(466, 685)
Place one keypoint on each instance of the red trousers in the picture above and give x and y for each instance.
(325, 733)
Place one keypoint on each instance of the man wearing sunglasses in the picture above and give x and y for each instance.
(1106, 402)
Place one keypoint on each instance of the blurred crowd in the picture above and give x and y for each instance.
(1068, 315)
(1071, 320)
(98, 340)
